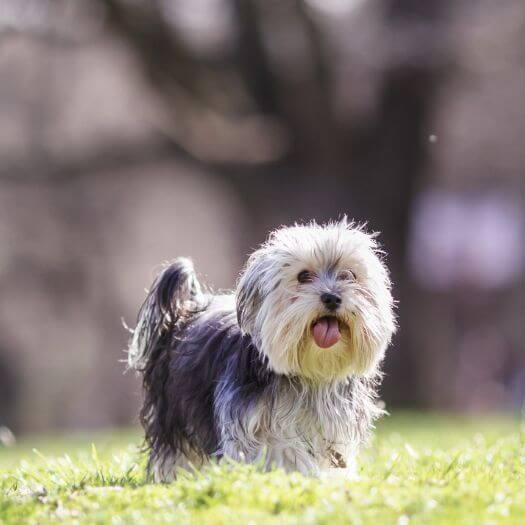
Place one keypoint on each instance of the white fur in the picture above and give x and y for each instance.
(286, 309)
(306, 425)
(320, 407)
(302, 431)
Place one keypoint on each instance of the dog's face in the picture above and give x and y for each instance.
(316, 300)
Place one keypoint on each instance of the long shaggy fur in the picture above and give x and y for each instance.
(239, 375)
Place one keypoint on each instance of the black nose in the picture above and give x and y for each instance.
(331, 301)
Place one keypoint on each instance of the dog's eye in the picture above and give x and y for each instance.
(305, 277)
(346, 275)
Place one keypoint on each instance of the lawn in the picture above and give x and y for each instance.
(418, 469)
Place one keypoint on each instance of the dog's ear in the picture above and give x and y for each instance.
(250, 291)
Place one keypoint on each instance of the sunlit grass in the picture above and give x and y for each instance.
(419, 469)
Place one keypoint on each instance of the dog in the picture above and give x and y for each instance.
(281, 372)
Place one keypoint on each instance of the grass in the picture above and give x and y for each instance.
(418, 469)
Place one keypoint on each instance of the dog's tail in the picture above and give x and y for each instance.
(175, 296)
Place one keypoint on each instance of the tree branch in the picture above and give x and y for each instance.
(185, 84)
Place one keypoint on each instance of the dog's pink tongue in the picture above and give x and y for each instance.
(326, 332)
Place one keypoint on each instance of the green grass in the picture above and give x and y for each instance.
(418, 469)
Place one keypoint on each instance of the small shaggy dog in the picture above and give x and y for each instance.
(283, 371)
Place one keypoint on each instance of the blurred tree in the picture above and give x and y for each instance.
(263, 113)
(290, 109)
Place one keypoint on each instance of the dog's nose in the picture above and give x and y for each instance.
(331, 301)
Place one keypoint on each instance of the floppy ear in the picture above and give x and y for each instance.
(250, 293)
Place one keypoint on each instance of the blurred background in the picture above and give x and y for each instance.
(134, 131)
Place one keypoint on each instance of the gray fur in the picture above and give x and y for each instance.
(240, 376)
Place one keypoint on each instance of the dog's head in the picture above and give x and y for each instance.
(316, 300)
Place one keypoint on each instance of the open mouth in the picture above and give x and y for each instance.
(326, 331)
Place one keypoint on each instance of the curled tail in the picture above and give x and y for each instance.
(175, 295)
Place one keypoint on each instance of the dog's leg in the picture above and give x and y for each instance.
(272, 453)
(164, 468)
(292, 459)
